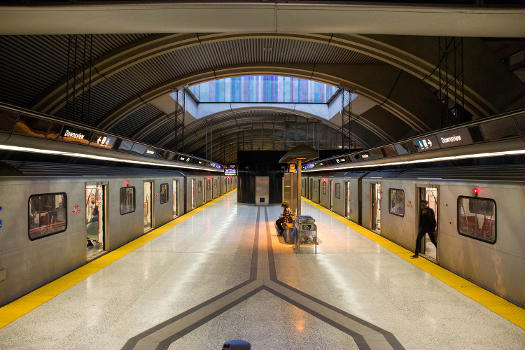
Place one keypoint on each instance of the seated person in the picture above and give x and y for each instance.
(286, 216)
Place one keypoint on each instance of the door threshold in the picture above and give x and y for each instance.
(93, 256)
(429, 258)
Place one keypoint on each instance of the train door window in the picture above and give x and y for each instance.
(338, 191)
(430, 194)
(192, 193)
(376, 207)
(148, 205)
(319, 191)
(95, 219)
(477, 218)
(47, 214)
(347, 199)
(175, 198)
(164, 193)
(396, 202)
(127, 200)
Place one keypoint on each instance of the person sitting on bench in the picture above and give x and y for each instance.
(286, 216)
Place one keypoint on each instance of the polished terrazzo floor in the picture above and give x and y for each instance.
(215, 277)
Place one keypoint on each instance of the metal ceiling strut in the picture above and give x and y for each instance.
(79, 77)
(451, 81)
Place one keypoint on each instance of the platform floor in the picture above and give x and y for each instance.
(223, 274)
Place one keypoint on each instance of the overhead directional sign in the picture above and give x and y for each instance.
(426, 143)
(458, 137)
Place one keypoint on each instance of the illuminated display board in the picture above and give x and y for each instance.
(103, 141)
(459, 137)
(230, 172)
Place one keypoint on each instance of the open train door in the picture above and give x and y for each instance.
(96, 219)
(193, 194)
(347, 199)
(319, 191)
(148, 205)
(175, 198)
(330, 194)
(430, 193)
(375, 204)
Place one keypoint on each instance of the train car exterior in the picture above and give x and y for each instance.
(54, 224)
(479, 213)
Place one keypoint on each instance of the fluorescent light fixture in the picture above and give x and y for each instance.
(430, 160)
(92, 156)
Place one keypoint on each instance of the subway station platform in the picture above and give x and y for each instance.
(222, 273)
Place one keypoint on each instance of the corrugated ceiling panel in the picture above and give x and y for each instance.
(31, 65)
(137, 120)
(130, 83)
(160, 132)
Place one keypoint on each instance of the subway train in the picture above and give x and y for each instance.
(479, 213)
(56, 217)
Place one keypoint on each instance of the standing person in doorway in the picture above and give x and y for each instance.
(427, 224)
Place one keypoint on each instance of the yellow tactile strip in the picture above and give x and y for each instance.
(500, 306)
(31, 301)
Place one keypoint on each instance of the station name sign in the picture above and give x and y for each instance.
(73, 134)
(458, 137)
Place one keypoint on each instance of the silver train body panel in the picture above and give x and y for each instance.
(26, 264)
(498, 267)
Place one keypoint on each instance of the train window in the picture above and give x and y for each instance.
(47, 214)
(477, 218)
(396, 200)
(127, 200)
(324, 187)
(164, 193)
(337, 190)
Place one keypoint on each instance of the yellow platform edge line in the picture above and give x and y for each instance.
(491, 301)
(21, 306)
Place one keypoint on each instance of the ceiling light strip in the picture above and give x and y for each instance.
(91, 156)
(428, 160)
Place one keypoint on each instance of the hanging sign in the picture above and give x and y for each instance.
(458, 137)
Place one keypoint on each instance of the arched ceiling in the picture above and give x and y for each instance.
(260, 129)
(127, 72)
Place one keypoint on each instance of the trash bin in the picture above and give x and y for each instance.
(306, 229)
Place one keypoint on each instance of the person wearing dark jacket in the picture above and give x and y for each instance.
(286, 216)
(427, 224)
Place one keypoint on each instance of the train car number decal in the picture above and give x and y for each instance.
(76, 209)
